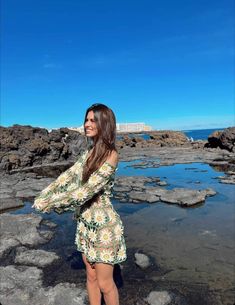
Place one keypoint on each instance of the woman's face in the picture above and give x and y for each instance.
(90, 125)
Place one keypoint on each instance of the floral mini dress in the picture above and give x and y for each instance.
(100, 232)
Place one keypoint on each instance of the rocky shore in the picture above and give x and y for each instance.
(31, 158)
(22, 265)
(26, 147)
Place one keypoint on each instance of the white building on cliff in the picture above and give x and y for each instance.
(123, 127)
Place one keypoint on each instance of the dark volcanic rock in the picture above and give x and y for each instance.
(169, 138)
(129, 141)
(156, 138)
(224, 139)
(25, 146)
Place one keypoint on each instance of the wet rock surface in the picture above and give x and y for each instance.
(161, 156)
(127, 189)
(186, 197)
(22, 274)
(13, 278)
(142, 260)
(229, 178)
(134, 189)
(158, 298)
(22, 285)
(19, 187)
(39, 258)
(21, 230)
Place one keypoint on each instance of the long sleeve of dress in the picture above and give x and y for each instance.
(76, 194)
(61, 183)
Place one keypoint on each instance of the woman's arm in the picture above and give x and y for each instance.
(78, 195)
(59, 184)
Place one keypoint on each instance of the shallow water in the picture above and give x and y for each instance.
(195, 244)
(192, 245)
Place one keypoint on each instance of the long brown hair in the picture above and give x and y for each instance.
(104, 142)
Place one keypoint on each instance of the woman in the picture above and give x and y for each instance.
(86, 189)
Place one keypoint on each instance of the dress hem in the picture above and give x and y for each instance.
(100, 261)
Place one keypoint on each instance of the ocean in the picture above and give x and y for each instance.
(200, 134)
(196, 134)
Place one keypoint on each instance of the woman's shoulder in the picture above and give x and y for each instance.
(113, 158)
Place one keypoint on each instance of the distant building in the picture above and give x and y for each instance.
(133, 127)
(122, 127)
(80, 129)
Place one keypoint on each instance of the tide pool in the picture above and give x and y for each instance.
(193, 245)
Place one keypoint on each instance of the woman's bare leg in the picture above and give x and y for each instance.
(104, 273)
(93, 289)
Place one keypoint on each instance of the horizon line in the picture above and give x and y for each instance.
(153, 129)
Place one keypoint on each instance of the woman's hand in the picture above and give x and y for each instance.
(41, 205)
(47, 209)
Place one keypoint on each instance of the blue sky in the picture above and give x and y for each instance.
(167, 63)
